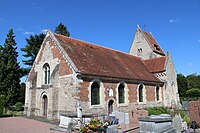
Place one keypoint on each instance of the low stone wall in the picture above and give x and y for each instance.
(194, 111)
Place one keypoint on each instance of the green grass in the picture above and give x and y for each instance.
(158, 110)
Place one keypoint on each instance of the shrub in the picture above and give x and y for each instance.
(194, 92)
(2, 103)
(19, 106)
(187, 120)
(158, 110)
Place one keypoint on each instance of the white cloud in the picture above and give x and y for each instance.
(28, 33)
(190, 64)
(44, 31)
(172, 21)
(34, 3)
(2, 20)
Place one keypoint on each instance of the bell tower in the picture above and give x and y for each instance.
(145, 46)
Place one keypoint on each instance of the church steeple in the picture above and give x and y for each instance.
(145, 46)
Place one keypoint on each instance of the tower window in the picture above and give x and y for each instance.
(156, 47)
(140, 50)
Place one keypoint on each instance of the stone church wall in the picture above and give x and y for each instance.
(170, 88)
(62, 90)
(66, 90)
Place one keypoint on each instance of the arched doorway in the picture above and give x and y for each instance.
(110, 106)
(45, 105)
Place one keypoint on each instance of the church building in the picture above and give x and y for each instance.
(68, 72)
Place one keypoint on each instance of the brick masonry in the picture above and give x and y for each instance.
(194, 111)
(131, 101)
(170, 89)
(66, 90)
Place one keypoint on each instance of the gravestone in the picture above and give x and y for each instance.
(156, 124)
(185, 107)
(134, 115)
(123, 117)
(177, 123)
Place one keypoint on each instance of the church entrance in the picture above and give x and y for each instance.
(110, 106)
(45, 105)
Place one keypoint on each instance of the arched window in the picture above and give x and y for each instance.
(121, 93)
(140, 90)
(45, 105)
(157, 93)
(46, 69)
(95, 94)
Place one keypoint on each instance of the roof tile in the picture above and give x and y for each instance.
(155, 65)
(95, 60)
(153, 43)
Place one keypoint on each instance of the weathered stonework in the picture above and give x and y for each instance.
(62, 92)
(68, 87)
(141, 47)
(170, 89)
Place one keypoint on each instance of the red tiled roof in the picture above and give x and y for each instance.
(155, 65)
(153, 43)
(95, 60)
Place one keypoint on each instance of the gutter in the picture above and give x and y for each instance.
(114, 79)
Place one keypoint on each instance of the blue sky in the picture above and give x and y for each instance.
(111, 23)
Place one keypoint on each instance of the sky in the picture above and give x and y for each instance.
(175, 24)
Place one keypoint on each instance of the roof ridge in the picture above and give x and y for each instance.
(147, 35)
(151, 34)
(97, 45)
(155, 58)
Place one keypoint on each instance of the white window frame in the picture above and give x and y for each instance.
(144, 94)
(101, 93)
(125, 94)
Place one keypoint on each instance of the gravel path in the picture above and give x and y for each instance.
(24, 125)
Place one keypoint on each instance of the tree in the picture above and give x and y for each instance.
(193, 81)
(31, 49)
(182, 85)
(10, 69)
(194, 92)
(2, 103)
(2, 68)
(22, 92)
(62, 29)
(33, 45)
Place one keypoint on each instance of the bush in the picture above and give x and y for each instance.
(2, 103)
(187, 120)
(19, 106)
(158, 110)
(194, 92)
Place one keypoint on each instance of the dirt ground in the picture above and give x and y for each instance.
(24, 125)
